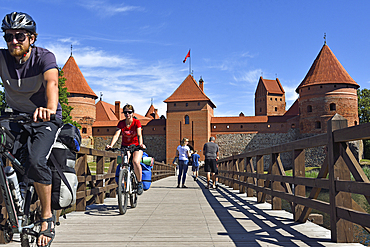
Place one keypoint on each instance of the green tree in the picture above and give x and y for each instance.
(364, 114)
(63, 100)
(2, 98)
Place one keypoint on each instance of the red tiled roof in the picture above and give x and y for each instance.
(272, 86)
(293, 110)
(105, 115)
(76, 82)
(326, 69)
(189, 90)
(152, 113)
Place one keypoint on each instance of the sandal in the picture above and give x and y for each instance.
(50, 231)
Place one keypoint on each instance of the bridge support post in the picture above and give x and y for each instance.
(250, 180)
(260, 182)
(81, 170)
(275, 201)
(298, 171)
(341, 230)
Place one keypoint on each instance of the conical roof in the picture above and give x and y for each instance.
(326, 69)
(189, 90)
(76, 82)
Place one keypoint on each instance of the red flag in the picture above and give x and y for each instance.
(187, 55)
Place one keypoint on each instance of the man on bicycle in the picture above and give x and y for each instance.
(30, 78)
(131, 134)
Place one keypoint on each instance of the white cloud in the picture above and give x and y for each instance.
(105, 8)
(250, 77)
(122, 78)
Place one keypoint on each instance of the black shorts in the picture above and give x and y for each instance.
(210, 165)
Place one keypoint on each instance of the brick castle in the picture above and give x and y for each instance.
(326, 89)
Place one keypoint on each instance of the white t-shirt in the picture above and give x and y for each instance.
(183, 152)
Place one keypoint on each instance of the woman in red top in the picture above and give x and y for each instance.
(131, 134)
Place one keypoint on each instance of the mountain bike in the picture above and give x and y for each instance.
(127, 181)
(24, 215)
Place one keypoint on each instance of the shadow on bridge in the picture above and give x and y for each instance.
(255, 224)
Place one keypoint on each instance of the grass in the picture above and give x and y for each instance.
(92, 167)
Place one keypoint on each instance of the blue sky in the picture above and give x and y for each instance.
(132, 51)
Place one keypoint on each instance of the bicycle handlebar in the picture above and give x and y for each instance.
(22, 118)
(130, 149)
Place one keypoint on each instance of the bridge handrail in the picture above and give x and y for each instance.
(103, 183)
(238, 171)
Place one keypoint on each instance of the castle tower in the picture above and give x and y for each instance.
(327, 89)
(82, 99)
(189, 114)
(269, 98)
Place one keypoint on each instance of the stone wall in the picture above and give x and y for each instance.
(241, 143)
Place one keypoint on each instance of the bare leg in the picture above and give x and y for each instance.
(44, 194)
(214, 180)
(137, 166)
(208, 177)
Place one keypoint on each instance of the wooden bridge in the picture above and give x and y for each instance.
(230, 215)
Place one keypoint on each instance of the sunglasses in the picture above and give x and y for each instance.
(18, 36)
(127, 112)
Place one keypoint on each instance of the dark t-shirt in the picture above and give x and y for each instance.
(24, 84)
(210, 150)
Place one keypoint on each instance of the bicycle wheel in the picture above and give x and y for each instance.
(7, 232)
(122, 191)
(29, 235)
(133, 196)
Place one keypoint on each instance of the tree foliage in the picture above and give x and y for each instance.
(363, 105)
(364, 114)
(63, 100)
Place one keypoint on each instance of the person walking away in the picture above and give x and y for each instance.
(183, 153)
(30, 78)
(210, 151)
(131, 134)
(195, 164)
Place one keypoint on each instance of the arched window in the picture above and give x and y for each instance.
(84, 130)
(275, 108)
(309, 108)
(186, 119)
(333, 107)
(318, 125)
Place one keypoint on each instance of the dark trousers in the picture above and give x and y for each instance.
(183, 169)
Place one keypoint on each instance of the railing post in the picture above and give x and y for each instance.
(100, 182)
(260, 182)
(275, 201)
(112, 169)
(235, 175)
(298, 171)
(341, 230)
(81, 168)
(249, 179)
(241, 165)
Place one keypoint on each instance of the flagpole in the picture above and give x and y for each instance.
(189, 64)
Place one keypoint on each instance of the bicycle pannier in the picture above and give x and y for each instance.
(70, 136)
(64, 180)
(147, 170)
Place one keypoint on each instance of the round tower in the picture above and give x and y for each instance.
(327, 89)
(82, 99)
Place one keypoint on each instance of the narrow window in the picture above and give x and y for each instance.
(186, 104)
(318, 125)
(186, 119)
(275, 108)
(84, 130)
(309, 108)
(333, 107)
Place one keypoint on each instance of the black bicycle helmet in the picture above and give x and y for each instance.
(19, 20)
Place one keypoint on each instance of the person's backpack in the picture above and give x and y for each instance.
(62, 163)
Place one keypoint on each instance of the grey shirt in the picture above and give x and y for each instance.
(210, 150)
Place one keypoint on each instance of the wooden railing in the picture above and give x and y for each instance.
(92, 188)
(238, 172)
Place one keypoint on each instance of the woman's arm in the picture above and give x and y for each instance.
(140, 137)
(114, 139)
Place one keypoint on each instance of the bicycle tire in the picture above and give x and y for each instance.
(122, 191)
(7, 232)
(133, 196)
